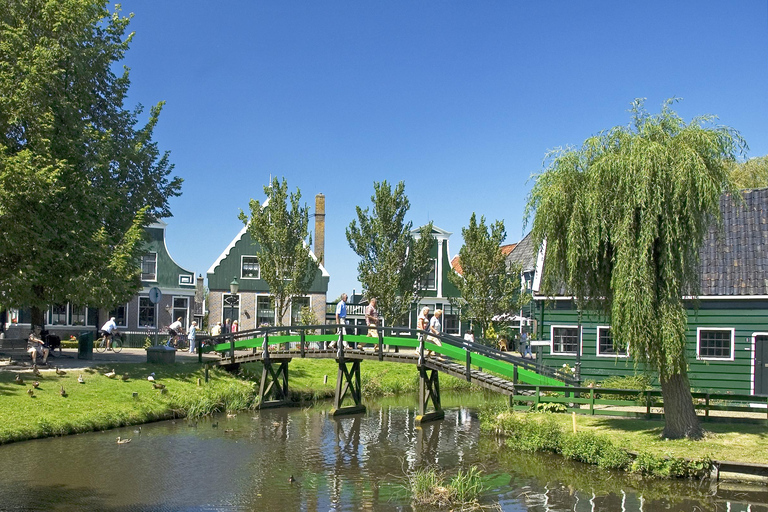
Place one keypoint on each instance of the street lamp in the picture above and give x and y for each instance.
(231, 301)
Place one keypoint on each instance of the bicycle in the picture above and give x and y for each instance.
(116, 344)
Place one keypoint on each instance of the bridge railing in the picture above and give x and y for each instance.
(450, 346)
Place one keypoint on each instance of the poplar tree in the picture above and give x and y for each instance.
(80, 179)
(487, 285)
(280, 225)
(393, 262)
(623, 218)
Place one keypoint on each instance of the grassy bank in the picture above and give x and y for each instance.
(102, 403)
(607, 441)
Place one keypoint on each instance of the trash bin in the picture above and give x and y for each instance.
(85, 345)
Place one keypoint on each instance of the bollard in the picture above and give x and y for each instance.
(573, 416)
(325, 379)
(206, 372)
(199, 381)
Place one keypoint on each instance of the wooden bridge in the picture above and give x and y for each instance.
(275, 347)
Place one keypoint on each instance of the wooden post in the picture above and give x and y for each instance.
(706, 406)
(199, 348)
(348, 383)
(232, 348)
(302, 339)
(648, 404)
(273, 390)
(592, 402)
(380, 334)
(207, 367)
(429, 391)
(514, 375)
(469, 365)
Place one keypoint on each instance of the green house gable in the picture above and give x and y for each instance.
(158, 267)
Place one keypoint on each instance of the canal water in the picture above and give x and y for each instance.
(304, 460)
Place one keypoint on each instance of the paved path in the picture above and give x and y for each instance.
(20, 360)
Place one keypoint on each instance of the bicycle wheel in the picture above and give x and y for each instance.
(100, 345)
(182, 343)
(117, 345)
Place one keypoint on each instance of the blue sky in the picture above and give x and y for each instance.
(460, 100)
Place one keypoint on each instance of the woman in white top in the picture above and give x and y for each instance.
(435, 327)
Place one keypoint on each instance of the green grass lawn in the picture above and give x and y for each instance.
(102, 403)
(723, 441)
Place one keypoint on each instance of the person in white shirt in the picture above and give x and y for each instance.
(173, 332)
(107, 331)
(191, 335)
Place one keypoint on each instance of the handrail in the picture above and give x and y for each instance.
(455, 341)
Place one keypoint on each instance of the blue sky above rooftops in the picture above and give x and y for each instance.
(461, 100)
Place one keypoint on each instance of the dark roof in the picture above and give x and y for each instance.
(734, 259)
(523, 254)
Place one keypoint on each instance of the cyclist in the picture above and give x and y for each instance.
(107, 331)
(173, 331)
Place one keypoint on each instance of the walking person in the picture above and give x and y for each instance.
(372, 320)
(235, 326)
(341, 318)
(191, 335)
(435, 328)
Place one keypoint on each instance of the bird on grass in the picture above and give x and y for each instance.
(35, 384)
(291, 479)
(60, 372)
(120, 440)
(125, 377)
(151, 377)
(62, 392)
(80, 379)
(157, 385)
(229, 430)
(19, 380)
(110, 375)
(31, 392)
(35, 371)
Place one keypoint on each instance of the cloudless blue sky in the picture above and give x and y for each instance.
(460, 100)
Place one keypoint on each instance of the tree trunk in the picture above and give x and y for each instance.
(680, 418)
(37, 318)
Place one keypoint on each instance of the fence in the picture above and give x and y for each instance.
(641, 404)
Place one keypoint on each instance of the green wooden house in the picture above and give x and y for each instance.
(253, 306)
(727, 337)
(158, 269)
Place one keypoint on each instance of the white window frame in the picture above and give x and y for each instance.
(597, 345)
(142, 268)
(138, 313)
(225, 309)
(552, 340)
(256, 308)
(186, 279)
(242, 258)
(732, 330)
(433, 271)
(125, 325)
(300, 297)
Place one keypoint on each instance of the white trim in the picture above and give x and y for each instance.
(290, 311)
(579, 350)
(753, 370)
(169, 291)
(733, 343)
(256, 307)
(437, 233)
(239, 309)
(439, 269)
(156, 265)
(241, 266)
(125, 325)
(615, 355)
(427, 288)
(155, 308)
(687, 297)
(226, 251)
(539, 269)
(191, 279)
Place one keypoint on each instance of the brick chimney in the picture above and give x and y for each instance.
(320, 228)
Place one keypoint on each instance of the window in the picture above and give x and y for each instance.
(186, 279)
(77, 315)
(429, 282)
(451, 320)
(265, 310)
(146, 313)
(565, 340)
(715, 344)
(92, 318)
(149, 267)
(231, 308)
(120, 315)
(59, 314)
(296, 304)
(605, 346)
(249, 267)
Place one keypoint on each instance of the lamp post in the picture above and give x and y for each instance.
(231, 301)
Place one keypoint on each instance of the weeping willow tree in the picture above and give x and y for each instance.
(623, 218)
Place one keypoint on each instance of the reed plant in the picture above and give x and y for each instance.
(428, 487)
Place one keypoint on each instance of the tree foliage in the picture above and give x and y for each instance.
(750, 174)
(280, 225)
(623, 218)
(488, 286)
(79, 179)
(392, 260)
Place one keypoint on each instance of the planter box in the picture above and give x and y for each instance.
(161, 355)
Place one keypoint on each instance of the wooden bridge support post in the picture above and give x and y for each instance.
(273, 390)
(429, 390)
(232, 348)
(302, 341)
(348, 382)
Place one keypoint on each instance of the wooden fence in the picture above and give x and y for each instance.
(647, 404)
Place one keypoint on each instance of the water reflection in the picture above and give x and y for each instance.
(290, 459)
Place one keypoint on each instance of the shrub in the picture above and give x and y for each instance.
(553, 407)
(594, 449)
(670, 467)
